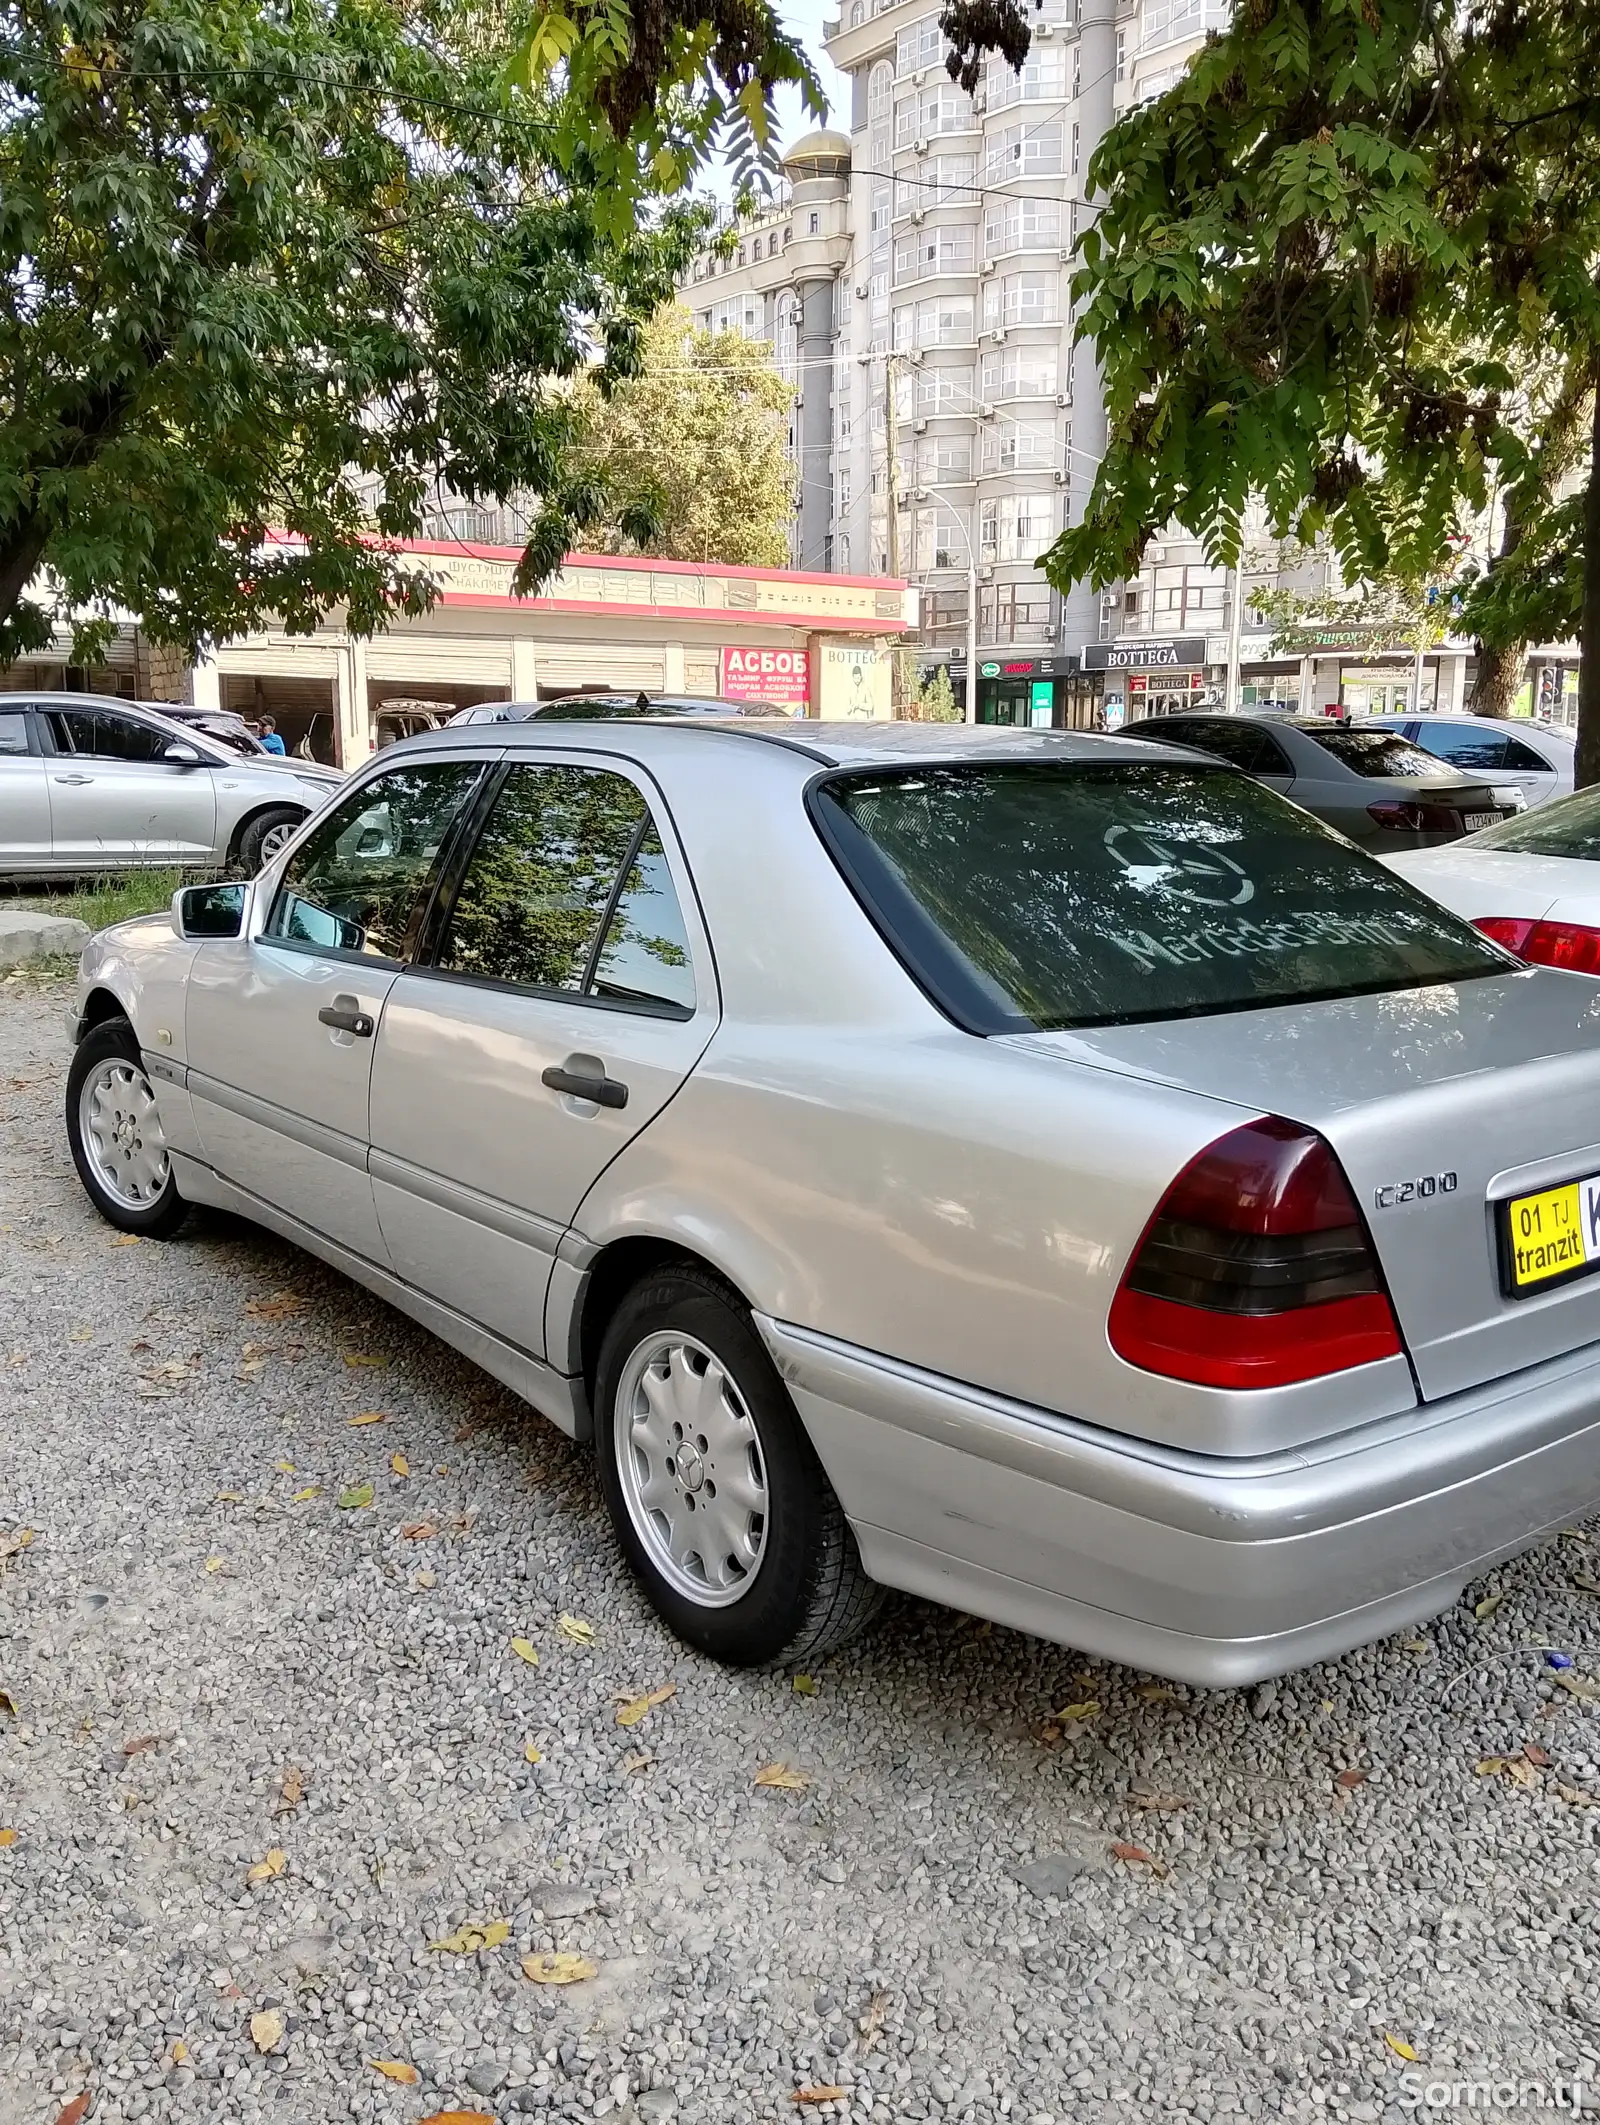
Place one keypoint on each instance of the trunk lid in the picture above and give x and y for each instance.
(1496, 1081)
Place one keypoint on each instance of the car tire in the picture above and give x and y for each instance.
(110, 1114)
(776, 1578)
(265, 834)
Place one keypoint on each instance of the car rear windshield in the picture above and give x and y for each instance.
(1569, 827)
(1027, 896)
(1375, 753)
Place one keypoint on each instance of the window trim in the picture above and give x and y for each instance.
(442, 906)
(415, 928)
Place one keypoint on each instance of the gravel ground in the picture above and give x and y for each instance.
(964, 1913)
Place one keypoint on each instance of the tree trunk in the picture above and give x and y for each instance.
(1586, 766)
(20, 555)
(1500, 669)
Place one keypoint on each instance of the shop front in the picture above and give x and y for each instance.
(1042, 692)
(1158, 677)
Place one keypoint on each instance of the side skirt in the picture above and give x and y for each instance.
(563, 1400)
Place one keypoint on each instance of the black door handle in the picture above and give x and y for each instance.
(356, 1022)
(604, 1091)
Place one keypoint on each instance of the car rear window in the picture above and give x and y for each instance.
(1569, 827)
(1374, 752)
(1029, 897)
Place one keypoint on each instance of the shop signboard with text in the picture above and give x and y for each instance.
(781, 676)
(1177, 653)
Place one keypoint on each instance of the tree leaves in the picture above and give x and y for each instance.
(562, 1968)
(576, 1629)
(475, 1934)
(781, 1775)
(396, 2070)
(526, 1650)
(268, 1869)
(76, 2111)
(266, 2029)
(631, 1710)
(355, 1497)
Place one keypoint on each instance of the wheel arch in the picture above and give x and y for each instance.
(619, 1265)
(99, 1005)
(246, 820)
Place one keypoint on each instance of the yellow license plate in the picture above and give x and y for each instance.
(1549, 1237)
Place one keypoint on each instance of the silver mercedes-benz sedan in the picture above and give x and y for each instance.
(1049, 1173)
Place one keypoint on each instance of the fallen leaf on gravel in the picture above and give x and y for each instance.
(13, 1544)
(468, 1939)
(291, 1792)
(266, 2029)
(81, 1335)
(460, 1438)
(1142, 1796)
(285, 1468)
(1137, 1856)
(1572, 1534)
(1487, 1606)
(1585, 1584)
(268, 1869)
(419, 1530)
(1156, 1693)
(8, 1837)
(1579, 1686)
(8, 1704)
(632, 1709)
(1575, 1797)
(525, 1651)
(819, 2092)
(228, 1497)
(252, 1351)
(563, 1968)
(1521, 1772)
(779, 1774)
(303, 1497)
(1489, 1766)
(282, 1306)
(871, 2023)
(458, 2117)
(804, 1685)
(1534, 1754)
(396, 2070)
(126, 1239)
(368, 1416)
(400, 1465)
(1089, 1709)
(576, 1629)
(214, 1564)
(356, 1359)
(427, 1581)
(1351, 1778)
(1399, 2046)
(530, 1754)
(180, 2051)
(138, 1743)
(74, 2112)
(1415, 1645)
(355, 1497)
(640, 1760)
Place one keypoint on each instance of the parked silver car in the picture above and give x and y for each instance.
(1368, 782)
(1044, 1172)
(1537, 757)
(93, 784)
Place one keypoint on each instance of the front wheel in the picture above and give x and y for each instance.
(716, 1493)
(115, 1134)
(266, 835)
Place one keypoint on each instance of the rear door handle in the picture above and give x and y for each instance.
(74, 778)
(604, 1091)
(346, 1020)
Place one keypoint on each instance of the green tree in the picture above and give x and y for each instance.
(936, 701)
(696, 444)
(272, 270)
(1329, 262)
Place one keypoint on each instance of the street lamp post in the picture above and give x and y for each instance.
(971, 711)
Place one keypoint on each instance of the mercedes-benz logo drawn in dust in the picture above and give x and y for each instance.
(1189, 869)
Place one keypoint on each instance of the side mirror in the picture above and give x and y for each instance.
(208, 910)
(181, 755)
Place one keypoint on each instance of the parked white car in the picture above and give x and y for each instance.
(89, 783)
(1535, 756)
(1532, 884)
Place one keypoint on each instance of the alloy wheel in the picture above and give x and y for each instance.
(121, 1133)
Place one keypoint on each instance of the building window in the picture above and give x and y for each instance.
(1021, 150)
(1122, 55)
(815, 225)
(880, 92)
(920, 44)
(1077, 136)
(1022, 299)
(741, 254)
(1017, 527)
(1043, 75)
(858, 14)
(1021, 225)
(1077, 71)
(1020, 372)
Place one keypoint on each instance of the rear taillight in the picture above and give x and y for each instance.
(1572, 946)
(1404, 816)
(1256, 1270)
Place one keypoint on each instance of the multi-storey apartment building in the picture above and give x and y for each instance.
(914, 278)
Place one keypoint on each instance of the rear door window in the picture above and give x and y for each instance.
(1464, 746)
(1026, 896)
(1375, 753)
(101, 734)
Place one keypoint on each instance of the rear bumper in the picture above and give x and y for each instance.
(1214, 1571)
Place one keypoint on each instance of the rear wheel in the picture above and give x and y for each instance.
(266, 835)
(115, 1134)
(716, 1493)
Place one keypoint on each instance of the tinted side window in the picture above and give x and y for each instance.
(540, 883)
(1464, 747)
(13, 731)
(359, 883)
(104, 736)
(1242, 745)
(1523, 760)
(644, 955)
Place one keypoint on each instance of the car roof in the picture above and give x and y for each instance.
(830, 743)
(1518, 726)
